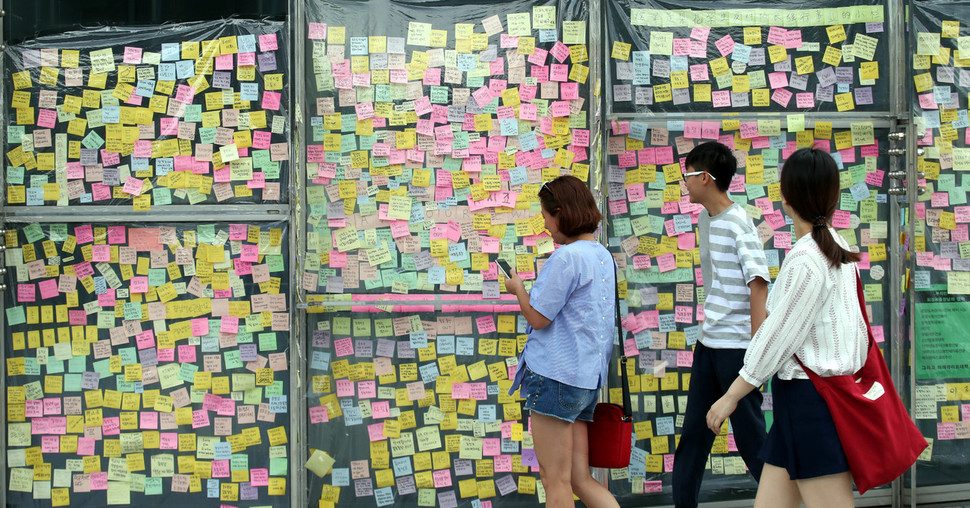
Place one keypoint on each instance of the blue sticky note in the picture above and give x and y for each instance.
(170, 51)
(246, 43)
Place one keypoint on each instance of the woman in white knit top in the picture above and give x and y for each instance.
(812, 314)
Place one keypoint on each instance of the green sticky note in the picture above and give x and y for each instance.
(132, 311)
(621, 227)
(239, 462)
(261, 158)
(274, 389)
(106, 319)
(193, 113)
(157, 277)
(77, 364)
(253, 396)
(187, 372)
(162, 196)
(232, 359)
(15, 134)
(206, 232)
(267, 341)
(103, 367)
(275, 263)
(277, 466)
(16, 315)
(754, 191)
(58, 232)
(15, 175)
(153, 486)
(128, 355)
(72, 382)
(243, 337)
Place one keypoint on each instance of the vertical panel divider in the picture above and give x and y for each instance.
(298, 335)
(3, 303)
(897, 254)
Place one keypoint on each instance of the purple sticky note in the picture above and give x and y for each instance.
(247, 352)
(266, 61)
(529, 458)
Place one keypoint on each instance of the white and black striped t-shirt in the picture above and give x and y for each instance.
(731, 257)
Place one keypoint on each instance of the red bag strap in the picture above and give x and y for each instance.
(865, 317)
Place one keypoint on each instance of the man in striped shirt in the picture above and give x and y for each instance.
(735, 274)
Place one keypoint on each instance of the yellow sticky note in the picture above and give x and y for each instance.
(621, 51)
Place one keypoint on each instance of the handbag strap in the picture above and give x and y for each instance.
(624, 381)
(865, 317)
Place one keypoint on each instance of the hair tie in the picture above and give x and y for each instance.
(819, 222)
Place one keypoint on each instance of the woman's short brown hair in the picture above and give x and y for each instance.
(569, 200)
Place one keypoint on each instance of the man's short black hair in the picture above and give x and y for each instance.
(715, 158)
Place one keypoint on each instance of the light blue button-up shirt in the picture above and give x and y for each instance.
(575, 291)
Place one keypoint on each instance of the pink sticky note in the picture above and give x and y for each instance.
(46, 118)
(344, 347)
(486, 324)
(138, 284)
(380, 409)
(200, 327)
(316, 31)
(686, 241)
(99, 481)
(148, 420)
(267, 42)
(26, 293)
(145, 340)
(667, 262)
(246, 59)
(229, 324)
(271, 100)
(132, 55)
(48, 289)
(101, 253)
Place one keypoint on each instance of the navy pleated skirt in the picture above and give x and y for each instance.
(802, 439)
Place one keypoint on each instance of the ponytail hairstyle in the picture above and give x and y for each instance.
(810, 184)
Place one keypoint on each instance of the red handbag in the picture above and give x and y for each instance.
(878, 437)
(611, 431)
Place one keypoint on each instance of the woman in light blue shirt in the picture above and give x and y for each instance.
(565, 361)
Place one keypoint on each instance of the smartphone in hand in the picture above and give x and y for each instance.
(504, 267)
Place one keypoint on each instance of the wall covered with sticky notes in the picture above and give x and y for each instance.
(142, 117)
(147, 364)
(761, 56)
(941, 79)
(652, 231)
(412, 406)
(430, 137)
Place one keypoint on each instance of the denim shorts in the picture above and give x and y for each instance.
(552, 398)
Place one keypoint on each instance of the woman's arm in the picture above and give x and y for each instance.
(728, 403)
(516, 287)
(778, 337)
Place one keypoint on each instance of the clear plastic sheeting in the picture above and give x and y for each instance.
(652, 233)
(147, 364)
(736, 56)
(149, 116)
(939, 38)
(432, 126)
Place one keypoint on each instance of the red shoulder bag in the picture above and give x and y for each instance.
(878, 437)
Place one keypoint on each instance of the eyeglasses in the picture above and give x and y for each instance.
(544, 186)
(695, 173)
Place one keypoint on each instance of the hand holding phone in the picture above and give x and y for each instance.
(504, 267)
